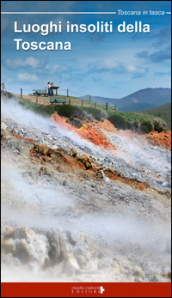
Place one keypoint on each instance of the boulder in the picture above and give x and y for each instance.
(41, 149)
(31, 246)
(8, 231)
(44, 171)
(86, 161)
(72, 237)
(100, 174)
(84, 252)
(73, 152)
(80, 250)
(8, 246)
(57, 252)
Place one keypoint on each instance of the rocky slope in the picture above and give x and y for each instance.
(82, 204)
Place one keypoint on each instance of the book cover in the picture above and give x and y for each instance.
(85, 148)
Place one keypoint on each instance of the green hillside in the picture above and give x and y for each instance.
(163, 112)
(137, 107)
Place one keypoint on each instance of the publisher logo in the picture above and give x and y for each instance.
(87, 290)
(102, 290)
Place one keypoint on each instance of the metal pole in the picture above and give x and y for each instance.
(67, 93)
(36, 98)
(69, 101)
(107, 105)
(115, 109)
(95, 104)
(21, 92)
(89, 97)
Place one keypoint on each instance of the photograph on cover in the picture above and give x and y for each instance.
(86, 141)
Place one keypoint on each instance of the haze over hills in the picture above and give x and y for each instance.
(141, 100)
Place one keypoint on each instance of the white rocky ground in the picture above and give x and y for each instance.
(60, 225)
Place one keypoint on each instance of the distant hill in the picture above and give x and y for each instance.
(100, 99)
(137, 107)
(151, 96)
(141, 100)
(163, 112)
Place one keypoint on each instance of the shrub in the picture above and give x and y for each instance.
(119, 122)
(147, 126)
(69, 111)
(136, 124)
(129, 125)
(159, 126)
(44, 110)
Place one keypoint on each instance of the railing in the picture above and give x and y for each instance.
(72, 100)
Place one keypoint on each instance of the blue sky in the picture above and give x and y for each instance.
(103, 64)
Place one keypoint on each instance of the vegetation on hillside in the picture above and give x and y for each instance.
(63, 110)
(163, 112)
(147, 126)
(142, 122)
(139, 122)
(96, 113)
(119, 122)
(134, 107)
